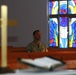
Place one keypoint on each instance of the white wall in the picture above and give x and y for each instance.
(31, 15)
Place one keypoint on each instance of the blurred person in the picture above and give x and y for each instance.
(36, 45)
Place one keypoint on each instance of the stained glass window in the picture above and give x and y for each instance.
(72, 32)
(72, 7)
(62, 23)
(63, 27)
(53, 7)
(53, 23)
(63, 7)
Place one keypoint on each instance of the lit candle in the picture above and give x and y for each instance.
(3, 36)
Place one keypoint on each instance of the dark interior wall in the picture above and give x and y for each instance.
(31, 15)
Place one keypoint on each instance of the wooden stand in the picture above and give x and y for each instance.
(6, 70)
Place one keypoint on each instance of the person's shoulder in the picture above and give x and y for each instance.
(30, 43)
(43, 44)
(28, 47)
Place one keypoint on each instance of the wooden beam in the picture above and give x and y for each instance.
(11, 22)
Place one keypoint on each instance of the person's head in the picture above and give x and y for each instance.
(37, 35)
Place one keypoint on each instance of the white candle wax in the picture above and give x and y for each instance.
(3, 36)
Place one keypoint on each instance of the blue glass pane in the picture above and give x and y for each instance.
(72, 7)
(53, 7)
(72, 32)
(53, 26)
(63, 37)
(63, 7)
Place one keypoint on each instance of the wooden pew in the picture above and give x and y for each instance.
(19, 52)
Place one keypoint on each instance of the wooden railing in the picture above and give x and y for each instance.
(14, 53)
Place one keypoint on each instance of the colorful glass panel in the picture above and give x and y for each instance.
(63, 7)
(53, 25)
(53, 7)
(72, 32)
(72, 7)
(63, 37)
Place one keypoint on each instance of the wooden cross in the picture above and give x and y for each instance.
(4, 22)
